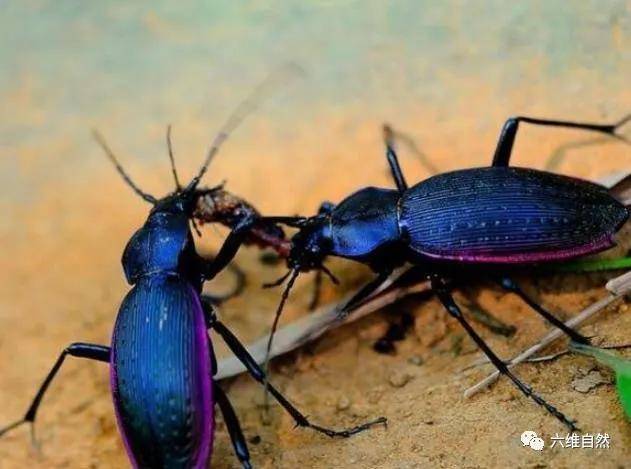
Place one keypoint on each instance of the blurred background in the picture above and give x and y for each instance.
(447, 73)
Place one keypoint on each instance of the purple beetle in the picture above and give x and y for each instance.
(467, 224)
(161, 358)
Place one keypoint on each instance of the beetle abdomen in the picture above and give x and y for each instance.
(508, 215)
(161, 375)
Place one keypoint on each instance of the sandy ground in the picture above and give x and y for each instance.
(449, 75)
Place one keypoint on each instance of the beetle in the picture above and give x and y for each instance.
(487, 221)
(161, 358)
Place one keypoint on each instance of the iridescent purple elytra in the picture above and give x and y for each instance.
(161, 375)
(508, 216)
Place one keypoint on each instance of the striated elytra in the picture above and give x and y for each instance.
(464, 225)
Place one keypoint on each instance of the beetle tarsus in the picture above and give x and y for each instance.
(509, 285)
(13, 425)
(258, 374)
(350, 431)
(234, 428)
(508, 133)
(454, 310)
(77, 349)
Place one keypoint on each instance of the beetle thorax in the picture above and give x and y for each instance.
(163, 244)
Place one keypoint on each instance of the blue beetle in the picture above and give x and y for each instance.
(486, 221)
(161, 358)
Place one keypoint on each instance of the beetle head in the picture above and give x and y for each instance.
(177, 203)
(310, 245)
(175, 210)
(164, 242)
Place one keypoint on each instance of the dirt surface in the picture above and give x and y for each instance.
(67, 218)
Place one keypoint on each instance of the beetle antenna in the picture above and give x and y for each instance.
(330, 274)
(410, 142)
(293, 275)
(243, 110)
(110, 154)
(178, 186)
(278, 281)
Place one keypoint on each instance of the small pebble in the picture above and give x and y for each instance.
(591, 380)
(398, 379)
(416, 360)
(343, 403)
(266, 418)
(375, 394)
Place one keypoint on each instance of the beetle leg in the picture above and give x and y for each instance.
(78, 349)
(509, 285)
(450, 305)
(409, 142)
(393, 159)
(234, 428)
(317, 290)
(239, 275)
(259, 375)
(482, 316)
(509, 132)
(364, 292)
(229, 249)
(294, 222)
